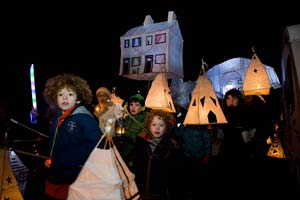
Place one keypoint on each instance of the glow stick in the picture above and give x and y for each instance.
(33, 93)
(33, 112)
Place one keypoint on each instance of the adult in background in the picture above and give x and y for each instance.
(107, 111)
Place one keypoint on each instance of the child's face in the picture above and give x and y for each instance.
(157, 127)
(232, 101)
(135, 108)
(66, 98)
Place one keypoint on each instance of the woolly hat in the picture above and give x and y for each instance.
(139, 98)
(103, 90)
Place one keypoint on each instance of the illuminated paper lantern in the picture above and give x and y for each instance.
(256, 81)
(204, 107)
(8, 184)
(151, 49)
(276, 149)
(20, 171)
(231, 74)
(159, 95)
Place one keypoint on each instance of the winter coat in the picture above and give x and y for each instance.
(73, 142)
(132, 130)
(154, 170)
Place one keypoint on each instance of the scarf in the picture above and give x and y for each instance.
(64, 116)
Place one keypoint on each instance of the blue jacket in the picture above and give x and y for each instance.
(75, 139)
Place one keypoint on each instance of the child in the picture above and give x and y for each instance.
(107, 111)
(155, 153)
(74, 132)
(134, 123)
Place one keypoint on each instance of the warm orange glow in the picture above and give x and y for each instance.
(120, 127)
(256, 80)
(276, 149)
(204, 107)
(159, 95)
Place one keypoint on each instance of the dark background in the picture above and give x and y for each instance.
(84, 39)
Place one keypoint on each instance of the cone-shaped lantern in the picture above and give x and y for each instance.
(159, 95)
(204, 107)
(256, 81)
(276, 149)
(9, 185)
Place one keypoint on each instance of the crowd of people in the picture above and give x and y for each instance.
(169, 160)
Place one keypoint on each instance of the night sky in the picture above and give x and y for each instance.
(84, 40)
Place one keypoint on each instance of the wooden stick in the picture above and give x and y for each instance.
(31, 154)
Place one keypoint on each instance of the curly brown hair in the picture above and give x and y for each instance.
(77, 84)
(167, 117)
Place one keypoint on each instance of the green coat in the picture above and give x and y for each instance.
(132, 130)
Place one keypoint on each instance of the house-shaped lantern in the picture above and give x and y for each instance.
(256, 81)
(152, 48)
(204, 107)
(159, 95)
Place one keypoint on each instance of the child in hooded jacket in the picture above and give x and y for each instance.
(134, 124)
(74, 132)
(155, 156)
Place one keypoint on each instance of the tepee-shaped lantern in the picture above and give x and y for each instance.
(9, 188)
(256, 80)
(276, 149)
(159, 95)
(204, 107)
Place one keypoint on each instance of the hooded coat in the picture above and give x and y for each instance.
(71, 144)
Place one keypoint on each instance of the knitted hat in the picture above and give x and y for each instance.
(103, 90)
(139, 98)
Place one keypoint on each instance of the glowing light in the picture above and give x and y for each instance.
(33, 93)
(33, 112)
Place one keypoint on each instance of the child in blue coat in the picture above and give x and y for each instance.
(74, 132)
